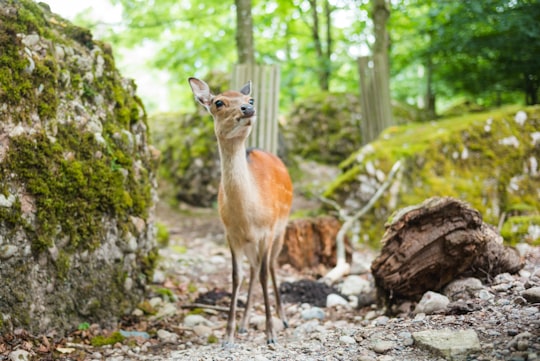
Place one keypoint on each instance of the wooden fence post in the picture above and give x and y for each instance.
(265, 83)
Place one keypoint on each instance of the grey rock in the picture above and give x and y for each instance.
(382, 346)
(452, 345)
(313, 313)
(167, 337)
(7, 251)
(347, 339)
(532, 294)
(431, 302)
(463, 289)
(202, 330)
(354, 285)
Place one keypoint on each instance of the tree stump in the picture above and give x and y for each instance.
(428, 245)
(310, 243)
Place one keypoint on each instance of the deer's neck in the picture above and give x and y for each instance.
(236, 179)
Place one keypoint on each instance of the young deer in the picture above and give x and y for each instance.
(255, 197)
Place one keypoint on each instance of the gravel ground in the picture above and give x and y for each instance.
(496, 320)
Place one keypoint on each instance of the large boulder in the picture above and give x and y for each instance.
(489, 160)
(77, 179)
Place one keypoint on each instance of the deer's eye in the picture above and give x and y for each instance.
(251, 101)
(219, 103)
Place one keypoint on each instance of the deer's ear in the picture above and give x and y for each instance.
(201, 91)
(246, 89)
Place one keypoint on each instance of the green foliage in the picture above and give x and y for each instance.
(83, 326)
(474, 49)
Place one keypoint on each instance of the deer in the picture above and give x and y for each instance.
(254, 201)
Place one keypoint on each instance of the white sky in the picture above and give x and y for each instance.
(151, 84)
(101, 10)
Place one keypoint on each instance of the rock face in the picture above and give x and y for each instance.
(77, 180)
(489, 160)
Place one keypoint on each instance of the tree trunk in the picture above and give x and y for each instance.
(429, 245)
(244, 32)
(322, 56)
(375, 79)
(311, 243)
(381, 13)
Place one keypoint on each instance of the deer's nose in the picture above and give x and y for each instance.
(247, 109)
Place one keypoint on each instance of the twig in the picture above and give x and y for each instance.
(342, 266)
(210, 307)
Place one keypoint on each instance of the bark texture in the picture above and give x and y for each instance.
(429, 245)
(310, 243)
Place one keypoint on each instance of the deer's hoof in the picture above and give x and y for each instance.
(271, 343)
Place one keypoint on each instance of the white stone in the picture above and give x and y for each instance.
(7, 201)
(535, 138)
(510, 141)
(333, 300)
(521, 117)
(431, 302)
(19, 355)
(194, 320)
(354, 285)
(313, 313)
(347, 339)
(7, 251)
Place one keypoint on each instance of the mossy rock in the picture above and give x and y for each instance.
(487, 159)
(189, 156)
(77, 177)
(325, 127)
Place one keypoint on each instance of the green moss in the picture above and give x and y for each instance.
(113, 338)
(460, 157)
(163, 236)
(147, 308)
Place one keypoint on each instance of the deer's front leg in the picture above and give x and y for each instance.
(270, 337)
(236, 282)
(245, 317)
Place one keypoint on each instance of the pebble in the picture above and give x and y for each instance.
(202, 330)
(532, 294)
(194, 320)
(431, 302)
(333, 300)
(313, 313)
(167, 337)
(347, 339)
(19, 355)
(380, 346)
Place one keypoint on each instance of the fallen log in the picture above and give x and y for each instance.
(428, 245)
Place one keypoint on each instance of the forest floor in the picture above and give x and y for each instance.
(493, 321)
